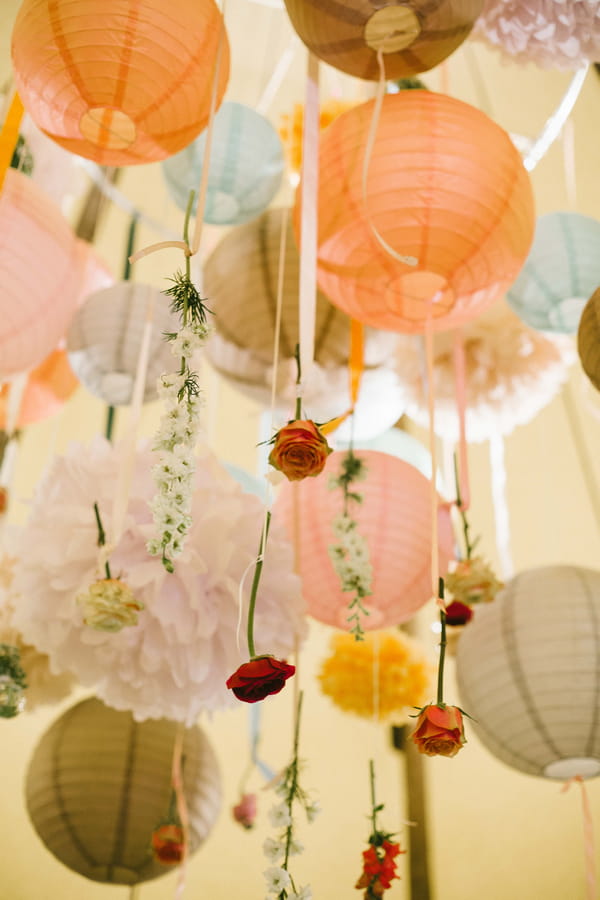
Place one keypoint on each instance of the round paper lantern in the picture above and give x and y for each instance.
(40, 275)
(246, 166)
(123, 85)
(553, 34)
(463, 209)
(527, 669)
(511, 373)
(395, 519)
(413, 37)
(105, 338)
(95, 274)
(99, 783)
(588, 339)
(48, 386)
(560, 273)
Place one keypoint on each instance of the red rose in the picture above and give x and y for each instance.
(299, 450)
(439, 731)
(458, 613)
(168, 844)
(256, 679)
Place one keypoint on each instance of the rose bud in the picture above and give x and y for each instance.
(299, 450)
(439, 730)
(261, 676)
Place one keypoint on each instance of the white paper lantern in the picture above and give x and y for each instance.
(245, 171)
(105, 338)
(527, 668)
(560, 273)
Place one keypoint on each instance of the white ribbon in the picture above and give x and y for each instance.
(501, 516)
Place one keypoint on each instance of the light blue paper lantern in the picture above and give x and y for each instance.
(560, 273)
(246, 167)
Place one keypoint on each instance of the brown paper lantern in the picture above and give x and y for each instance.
(99, 783)
(414, 38)
(240, 281)
(588, 339)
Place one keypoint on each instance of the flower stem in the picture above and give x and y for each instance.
(463, 515)
(294, 782)
(298, 411)
(188, 270)
(373, 801)
(440, 681)
(255, 583)
(101, 537)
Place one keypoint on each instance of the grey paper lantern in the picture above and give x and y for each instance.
(105, 338)
(527, 668)
(99, 783)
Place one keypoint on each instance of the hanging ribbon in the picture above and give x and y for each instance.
(435, 563)
(182, 810)
(460, 387)
(501, 517)
(588, 837)
(254, 724)
(356, 366)
(10, 135)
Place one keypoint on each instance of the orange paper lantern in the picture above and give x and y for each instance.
(394, 518)
(48, 386)
(445, 185)
(414, 37)
(40, 275)
(123, 83)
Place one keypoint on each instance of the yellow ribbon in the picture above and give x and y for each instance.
(10, 135)
(356, 367)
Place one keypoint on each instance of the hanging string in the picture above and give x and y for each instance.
(500, 504)
(134, 892)
(460, 388)
(182, 810)
(588, 838)
(278, 73)
(568, 148)
(553, 125)
(435, 564)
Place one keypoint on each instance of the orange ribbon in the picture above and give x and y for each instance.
(356, 365)
(588, 837)
(10, 135)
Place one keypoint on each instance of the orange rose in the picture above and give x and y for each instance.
(299, 450)
(439, 730)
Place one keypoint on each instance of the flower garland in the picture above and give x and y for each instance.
(350, 555)
(12, 682)
(379, 860)
(179, 426)
(280, 881)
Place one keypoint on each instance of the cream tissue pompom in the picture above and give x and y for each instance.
(553, 34)
(175, 661)
(512, 372)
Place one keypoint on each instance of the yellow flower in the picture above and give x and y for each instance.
(348, 675)
(109, 605)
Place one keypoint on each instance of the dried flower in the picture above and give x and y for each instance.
(473, 581)
(12, 682)
(109, 605)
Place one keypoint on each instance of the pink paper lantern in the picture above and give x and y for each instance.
(40, 275)
(395, 519)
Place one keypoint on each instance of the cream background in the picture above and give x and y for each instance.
(494, 833)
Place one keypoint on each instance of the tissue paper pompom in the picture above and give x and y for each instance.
(512, 373)
(175, 661)
(553, 34)
(348, 675)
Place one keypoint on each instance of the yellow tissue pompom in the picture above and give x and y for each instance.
(292, 126)
(389, 671)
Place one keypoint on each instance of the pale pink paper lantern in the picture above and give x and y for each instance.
(395, 519)
(40, 274)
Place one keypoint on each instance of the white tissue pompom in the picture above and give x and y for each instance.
(175, 661)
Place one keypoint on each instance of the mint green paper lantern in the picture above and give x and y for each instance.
(560, 273)
(246, 167)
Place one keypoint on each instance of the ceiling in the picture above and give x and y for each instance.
(492, 831)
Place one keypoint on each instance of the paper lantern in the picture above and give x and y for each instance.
(124, 85)
(553, 34)
(395, 519)
(511, 373)
(588, 339)
(39, 275)
(99, 783)
(246, 166)
(95, 274)
(463, 209)
(527, 669)
(48, 387)
(560, 273)
(413, 37)
(105, 338)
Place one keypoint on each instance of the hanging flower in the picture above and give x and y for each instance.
(292, 127)
(439, 730)
(244, 812)
(12, 682)
(168, 844)
(261, 676)
(300, 450)
(403, 674)
(458, 613)
(109, 605)
(379, 860)
(472, 581)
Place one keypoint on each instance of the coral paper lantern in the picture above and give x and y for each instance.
(560, 273)
(123, 84)
(395, 519)
(414, 37)
(99, 783)
(35, 310)
(527, 669)
(48, 387)
(588, 339)
(245, 171)
(463, 208)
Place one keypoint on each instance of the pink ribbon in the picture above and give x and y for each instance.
(460, 388)
(588, 837)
